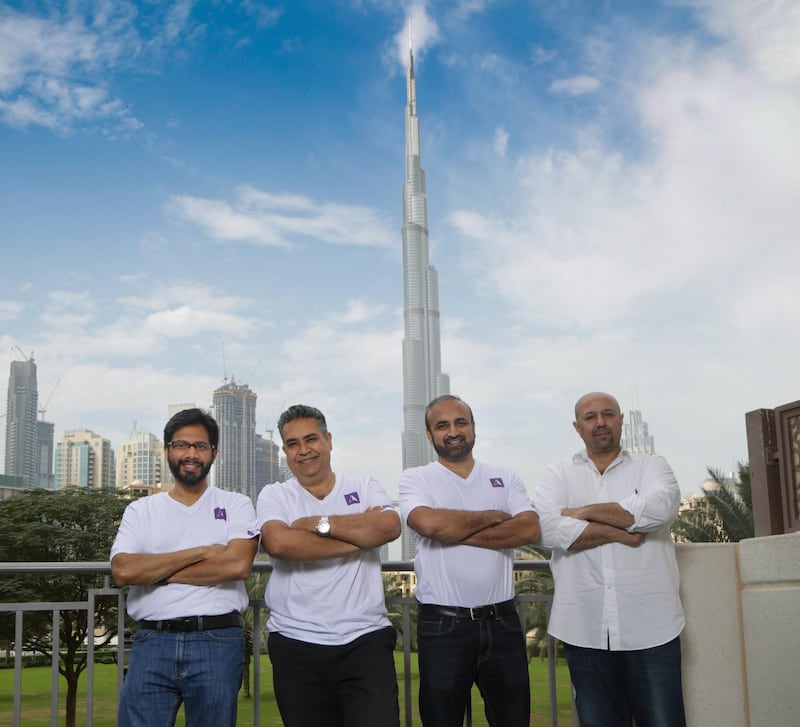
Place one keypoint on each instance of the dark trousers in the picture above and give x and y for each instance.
(614, 688)
(456, 653)
(354, 685)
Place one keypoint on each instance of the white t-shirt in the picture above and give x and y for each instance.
(331, 601)
(462, 575)
(612, 596)
(161, 524)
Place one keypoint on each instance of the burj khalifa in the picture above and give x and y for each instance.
(423, 379)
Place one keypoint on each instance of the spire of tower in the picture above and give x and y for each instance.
(423, 379)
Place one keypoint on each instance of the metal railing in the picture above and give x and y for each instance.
(256, 604)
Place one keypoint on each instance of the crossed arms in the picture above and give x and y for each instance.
(608, 522)
(494, 529)
(348, 534)
(203, 565)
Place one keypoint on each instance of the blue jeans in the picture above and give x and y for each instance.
(201, 669)
(456, 653)
(612, 688)
(352, 685)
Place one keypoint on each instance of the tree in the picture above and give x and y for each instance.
(59, 526)
(724, 514)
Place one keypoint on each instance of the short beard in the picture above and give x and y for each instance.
(454, 453)
(191, 480)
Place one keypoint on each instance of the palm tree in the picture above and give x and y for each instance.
(724, 514)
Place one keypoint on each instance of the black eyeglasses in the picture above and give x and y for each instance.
(181, 446)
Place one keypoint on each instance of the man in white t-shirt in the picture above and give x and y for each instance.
(468, 517)
(331, 642)
(184, 554)
(606, 513)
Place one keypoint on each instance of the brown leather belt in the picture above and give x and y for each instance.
(476, 613)
(194, 623)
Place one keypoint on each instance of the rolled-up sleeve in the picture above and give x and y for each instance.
(550, 497)
(654, 503)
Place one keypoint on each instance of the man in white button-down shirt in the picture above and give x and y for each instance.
(606, 514)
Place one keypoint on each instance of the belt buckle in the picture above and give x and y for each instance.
(481, 613)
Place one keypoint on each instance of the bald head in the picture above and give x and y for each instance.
(594, 395)
(598, 422)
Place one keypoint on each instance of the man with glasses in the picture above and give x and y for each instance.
(185, 554)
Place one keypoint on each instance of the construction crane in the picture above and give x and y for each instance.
(43, 407)
(22, 353)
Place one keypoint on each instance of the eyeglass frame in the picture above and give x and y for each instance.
(197, 446)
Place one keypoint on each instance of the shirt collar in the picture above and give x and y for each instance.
(582, 457)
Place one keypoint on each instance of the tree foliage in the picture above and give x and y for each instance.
(72, 525)
(723, 515)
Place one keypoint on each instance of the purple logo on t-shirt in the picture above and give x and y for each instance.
(220, 514)
(497, 482)
(352, 498)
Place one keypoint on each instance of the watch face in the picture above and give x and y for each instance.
(323, 526)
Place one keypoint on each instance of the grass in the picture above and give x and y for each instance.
(36, 696)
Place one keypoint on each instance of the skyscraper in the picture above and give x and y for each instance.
(268, 462)
(22, 433)
(141, 460)
(235, 412)
(423, 379)
(84, 459)
(636, 437)
(44, 445)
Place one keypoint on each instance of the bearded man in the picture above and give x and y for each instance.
(185, 554)
(468, 517)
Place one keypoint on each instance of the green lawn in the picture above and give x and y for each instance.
(36, 696)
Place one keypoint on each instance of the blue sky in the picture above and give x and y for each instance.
(613, 203)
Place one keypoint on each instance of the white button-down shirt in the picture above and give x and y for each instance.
(612, 596)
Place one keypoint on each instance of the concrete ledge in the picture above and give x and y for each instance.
(714, 685)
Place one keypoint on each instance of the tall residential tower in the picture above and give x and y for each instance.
(235, 412)
(423, 379)
(22, 431)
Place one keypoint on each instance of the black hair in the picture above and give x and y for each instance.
(187, 418)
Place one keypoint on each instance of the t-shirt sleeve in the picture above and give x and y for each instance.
(413, 493)
(242, 522)
(375, 495)
(271, 506)
(518, 498)
(128, 538)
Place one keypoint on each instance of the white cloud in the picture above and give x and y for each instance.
(575, 86)
(283, 220)
(500, 141)
(10, 309)
(767, 32)
(419, 30)
(51, 68)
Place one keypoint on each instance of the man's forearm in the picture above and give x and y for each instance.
(522, 529)
(140, 569)
(234, 563)
(453, 526)
(595, 534)
(609, 513)
(369, 529)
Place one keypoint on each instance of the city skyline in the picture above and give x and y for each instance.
(611, 202)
